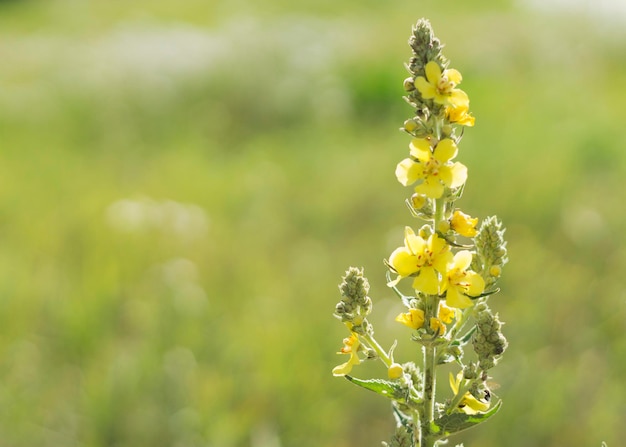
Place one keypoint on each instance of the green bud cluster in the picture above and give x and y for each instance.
(426, 48)
(414, 372)
(491, 253)
(355, 303)
(488, 341)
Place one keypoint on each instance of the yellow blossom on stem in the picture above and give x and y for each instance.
(468, 404)
(350, 346)
(460, 283)
(440, 86)
(414, 318)
(446, 314)
(437, 326)
(463, 224)
(460, 115)
(421, 258)
(432, 166)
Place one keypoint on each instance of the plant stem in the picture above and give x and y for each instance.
(429, 395)
(379, 350)
(431, 308)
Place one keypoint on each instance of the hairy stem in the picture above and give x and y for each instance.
(379, 350)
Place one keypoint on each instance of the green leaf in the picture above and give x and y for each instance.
(387, 388)
(456, 422)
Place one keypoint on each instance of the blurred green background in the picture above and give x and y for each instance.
(183, 183)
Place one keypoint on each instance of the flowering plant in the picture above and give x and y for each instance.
(452, 265)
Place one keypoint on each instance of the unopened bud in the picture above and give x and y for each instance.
(418, 201)
(410, 125)
(495, 271)
(395, 371)
(409, 84)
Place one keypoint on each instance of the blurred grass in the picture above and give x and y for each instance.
(182, 186)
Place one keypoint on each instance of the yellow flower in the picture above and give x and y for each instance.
(446, 314)
(463, 224)
(440, 86)
(421, 258)
(433, 167)
(460, 283)
(350, 346)
(468, 404)
(437, 326)
(414, 318)
(460, 115)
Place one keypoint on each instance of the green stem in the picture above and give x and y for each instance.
(379, 350)
(427, 437)
(459, 323)
(430, 383)
(438, 214)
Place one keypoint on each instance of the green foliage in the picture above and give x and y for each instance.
(449, 424)
(388, 388)
(150, 333)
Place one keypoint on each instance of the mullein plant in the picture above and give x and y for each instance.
(451, 263)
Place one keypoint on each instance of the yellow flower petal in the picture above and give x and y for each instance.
(453, 75)
(403, 262)
(427, 281)
(414, 243)
(407, 172)
(433, 72)
(445, 150)
(476, 284)
(437, 325)
(454, 298)
(420, 149)
(454, 384)
(460, 115)
(437, 244)
(343, 369)
(446, 175)
(414, 318)
(446, 314)
(464, 224)
(462, 260)
(458, 98)
(468, 404)
(459, 175)
(441, 262)
(431, 187)
(426, 89)
(351, 346)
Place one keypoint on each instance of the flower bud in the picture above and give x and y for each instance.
(395, 371)
(409, 84)
(495, 271)
(410, 125)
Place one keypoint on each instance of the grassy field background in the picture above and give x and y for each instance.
(182, 185)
